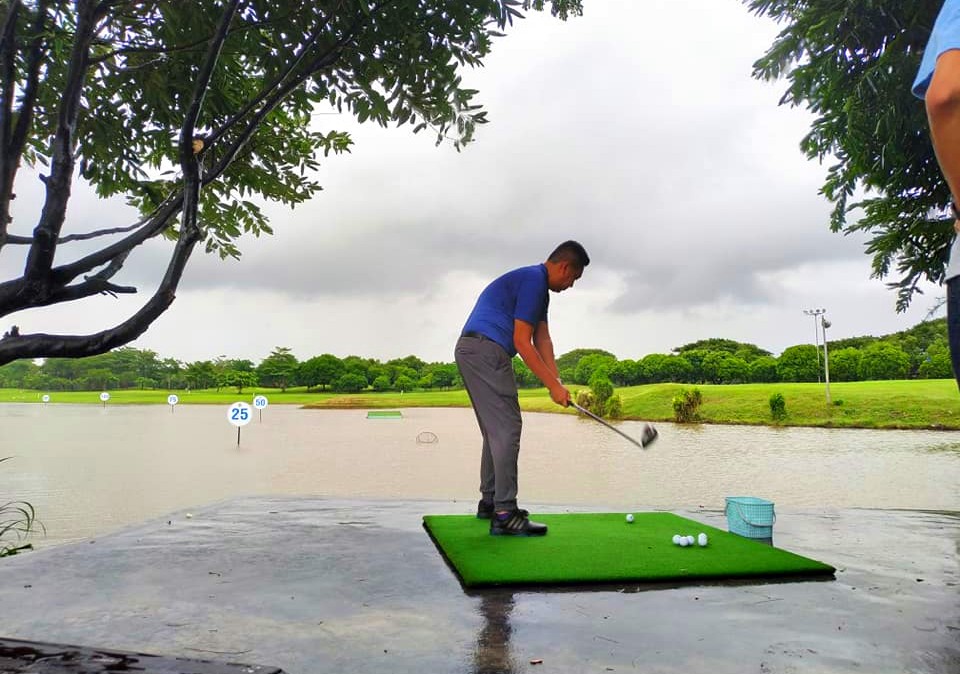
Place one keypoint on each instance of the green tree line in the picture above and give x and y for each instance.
(920, 352)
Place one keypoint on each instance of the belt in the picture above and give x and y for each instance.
(476, 335)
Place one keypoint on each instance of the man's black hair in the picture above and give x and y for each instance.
(572, 252)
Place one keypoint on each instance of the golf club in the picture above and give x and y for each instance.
(649, 432)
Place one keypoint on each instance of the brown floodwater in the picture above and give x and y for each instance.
(90, 470)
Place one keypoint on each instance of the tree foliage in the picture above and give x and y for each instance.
(199, 112)
(852, 65)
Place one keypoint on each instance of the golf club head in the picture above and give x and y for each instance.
(648, 436)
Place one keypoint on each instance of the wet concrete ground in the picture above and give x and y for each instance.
(315, 585)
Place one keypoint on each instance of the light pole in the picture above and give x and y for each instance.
(826, 361)
(816, 333)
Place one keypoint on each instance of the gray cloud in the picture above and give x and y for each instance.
(635, 129)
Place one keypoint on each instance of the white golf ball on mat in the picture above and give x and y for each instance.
(702, 540)
(630, 517)
(684, 541)
(676, 539)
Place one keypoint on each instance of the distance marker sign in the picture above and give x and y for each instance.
(260, 401)
(239, 415)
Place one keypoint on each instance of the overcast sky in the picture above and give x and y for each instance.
(636, 129)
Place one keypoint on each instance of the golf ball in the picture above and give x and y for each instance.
(684, 541)
(189, 516)
(630, 517)
(702, 540)
(676, 539)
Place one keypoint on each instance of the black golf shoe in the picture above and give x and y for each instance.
(484, 510)
(515, 523)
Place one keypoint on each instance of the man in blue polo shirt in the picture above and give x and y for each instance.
(510, 318)
(938, 83)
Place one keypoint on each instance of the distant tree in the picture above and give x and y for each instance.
(201, 374)
(884, 361)
(99, 379)
(937, 364)
(443, 375)
(241, 379)
(524, 376)
(710, 365)
(146, 383)
(675, 369)
(845, 365)
(278, 369)
(852, 64)
(411, 363)
(403, 383)
(12, 374)
(567, 363)
(746, 352)
(733, 370)
(798, 363)
(320, 371)
(654, 368)
(764, 370)
(406, 372)
(695, 357)
(591, 364)
(626, 373)
(381, 383)
(350, 382)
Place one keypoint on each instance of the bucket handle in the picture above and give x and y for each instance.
(740, 513)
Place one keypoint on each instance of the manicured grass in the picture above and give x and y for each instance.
(926, 403)
(603, 547)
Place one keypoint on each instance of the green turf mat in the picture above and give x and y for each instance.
(604, 548)
(384, 414)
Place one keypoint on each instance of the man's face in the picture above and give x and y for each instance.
(567, 275)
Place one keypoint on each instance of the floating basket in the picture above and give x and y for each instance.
(750, 517)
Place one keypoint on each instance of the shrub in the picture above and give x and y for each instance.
(602, 389)
(686, 405)
(17, 521)
(586, 400)
(615, 407)
(778, 407)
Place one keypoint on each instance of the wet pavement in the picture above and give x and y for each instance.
(312, 585)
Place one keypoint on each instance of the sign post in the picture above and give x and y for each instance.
(260, 401)
(239, 415)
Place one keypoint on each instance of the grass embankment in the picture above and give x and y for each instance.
(875, 404)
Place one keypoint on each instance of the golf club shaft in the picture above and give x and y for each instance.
(611, 427)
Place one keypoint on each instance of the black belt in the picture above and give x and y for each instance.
(475, 335)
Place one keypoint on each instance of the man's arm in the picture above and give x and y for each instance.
(544, 346)
(523, 336)
(943, 111)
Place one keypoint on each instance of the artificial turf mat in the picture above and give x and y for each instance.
(604, 548)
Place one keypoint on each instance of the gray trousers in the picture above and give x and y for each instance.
(487, 373)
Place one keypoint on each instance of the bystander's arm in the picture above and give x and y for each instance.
(943, 110)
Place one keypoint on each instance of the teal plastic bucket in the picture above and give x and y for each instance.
(750, 517)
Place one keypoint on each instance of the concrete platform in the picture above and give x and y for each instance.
(314, 585)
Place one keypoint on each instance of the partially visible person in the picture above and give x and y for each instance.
(938, 83)
(509, 318)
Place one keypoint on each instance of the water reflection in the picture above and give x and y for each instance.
(492, 652)
(90, 470)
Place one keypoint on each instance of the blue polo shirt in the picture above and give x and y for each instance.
(519, 294)
(944, 37)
